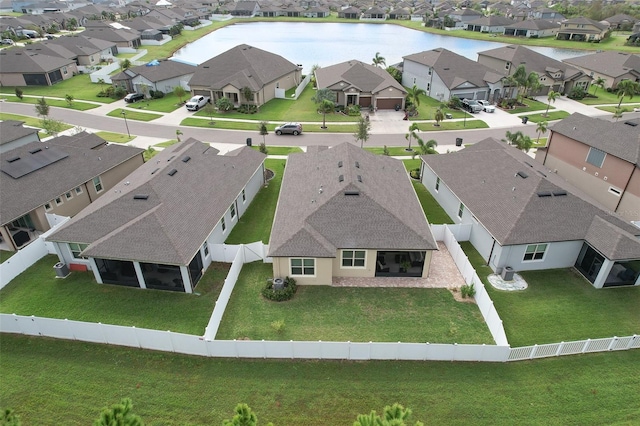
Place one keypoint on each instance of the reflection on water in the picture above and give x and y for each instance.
(323, 44)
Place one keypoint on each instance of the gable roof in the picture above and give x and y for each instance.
(581, 20)
(163, 71)
(608, 62)
(510, 208)
(615, 138)
(11, 130)
(20, 60)
(318, 213)
(88, 156)
(180, 210)
(242, 66)
(454, 69)
(492, 21)
(364, 77)
(534, 24)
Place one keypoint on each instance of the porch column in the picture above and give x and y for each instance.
(94, 269)
(186, 281)
(138, 269)
(603, 274)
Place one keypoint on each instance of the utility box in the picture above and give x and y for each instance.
(248, 141)
(62, 270)
(458, 141)
(507, 273)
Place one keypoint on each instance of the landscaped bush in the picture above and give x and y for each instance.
(285, 294)
(248, 109)
(468, 290)
(156, 94)
(224, 104)
(353, 110)
(415, 173)
(577, 93)
(119, 93)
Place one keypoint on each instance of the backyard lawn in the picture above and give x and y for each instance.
(435, 214)
(349, 314)
(559, 305)
(79, 86)
(38, 292)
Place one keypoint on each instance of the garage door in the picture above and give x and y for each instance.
(462, 96)
(388, 103)
(365, 102)
(201, 93)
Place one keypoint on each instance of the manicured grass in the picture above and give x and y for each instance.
(69, 383)
(76, 105)
(4, 255)
(78, 297)
(168, 103)
(134, 115)
(115, 137)
(348, 313)
(244, 125)
(453, 125)
(394, 151)
(167, 143)
(255, 224)
(603, 97)
(624, 108)
(149, 153)
(79, 86)
(279, 150)
(435, 214)
(551, 116)
(560, 305)
(31, 121)
(532, 105)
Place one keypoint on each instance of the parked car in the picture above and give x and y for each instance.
(197, 102)
(289, 128)
(486, 106)
(471, 105)
(133, 97)
(7, 42)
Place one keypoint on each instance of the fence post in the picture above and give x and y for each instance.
(614, 339)
(586, 344)
(633, 338)
(533, 352)
(560, 347)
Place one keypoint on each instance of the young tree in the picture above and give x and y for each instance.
(42, 108)
(50, 126)
(247, 94)
(179, 92)
(439, 116)
(244, 416)
(69, 98)
(210, 110)
(427, 147)
(126, 64)
(599, 82)
(19, 93)
(551, 97)
(362, 134)
(541, 129)
(626, 88)
(101, 83)
(618, 113)
(379, 61)
(325, 99)
(412, 134)
(395, 73)
(262, 128)
(519, 140)
(178, 133)
(520, 78)
(119, 415)
(395, 415)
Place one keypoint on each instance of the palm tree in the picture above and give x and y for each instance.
(412, 134)
(439, 116)
(379, 61)
(542, 128)
(551, 97)
(325, 107)
(427, 147)
(413, 95)
(532, 83)
(509, 81)
(598, 83)
(626, 88)
(324, 98)
(519, 140)
(520, 78)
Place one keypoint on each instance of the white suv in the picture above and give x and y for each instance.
(197, 102)
(486, 106)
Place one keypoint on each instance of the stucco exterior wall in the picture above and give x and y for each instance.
(561, 254)
(369, 270)
(13, 79)
(114, 175)
(323, 274)
(629, 206)
(165, 86)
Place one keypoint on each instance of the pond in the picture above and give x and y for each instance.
(323, 44)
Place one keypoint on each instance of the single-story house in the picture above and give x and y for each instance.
(609, 65)
(621, 21)
(88, 51)
(532, 28)
(345, 212)
(21, 67)
(13, 134)
(443, 74)
(227, 74)
(153, 229)
(316, 12)
(489, 24)
(122, 37)
(525, 217)
(582, 29)
(462, 16)
(77, 170)
(155, 75)
(350, 12)
(375, 13)
(357, 83)
(245, 8)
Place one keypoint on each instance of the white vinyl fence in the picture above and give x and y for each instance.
(573, 348)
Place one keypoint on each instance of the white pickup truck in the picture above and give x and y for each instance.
(197, 102)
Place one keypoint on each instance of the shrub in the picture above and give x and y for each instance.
(158, 94)
(287, 292)
(19, 93)
(263, 148)
(224, 104)
(118, 93)
(248, 109)
(415, 173)
(278, 325)
(577, 93)
(468, 290)
(353, 110)
(385, 151)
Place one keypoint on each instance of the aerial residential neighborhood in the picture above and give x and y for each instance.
(254, 209)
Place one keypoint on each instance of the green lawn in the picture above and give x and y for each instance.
(255, 224)
(624, 108)
(76, 105)
(134, 115)
(253, 125)
(553, 115)
(30, 121)
(604, 97)
(78, 297)
(4, 255)
(279, 150)
(560, 305)
(115, 137)
(531, 105)
(79, 86)
(435, 214)
(394, 151)
(167, 143)
(168, 103)
(354, 314)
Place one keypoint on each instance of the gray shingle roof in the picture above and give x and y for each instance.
(180, 212)
(509, 207)
(11, 130)
(316, 216)
(19, 60)
(534, 24)
(364, 77)
(615, 138)
(609, 63)
(455, 69)
(163, 71)
(242, 66)
(492, 21)
(20, 196)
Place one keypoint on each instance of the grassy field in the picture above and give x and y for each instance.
(76, 105)
(435, 214)
(30, 121)
(551, 116)
(115, 137)
(69, 383)
(279, 150)
(560, 305)
(78, 297)
(79, 86)
(134, 115)
(349, 314)
(255, 224)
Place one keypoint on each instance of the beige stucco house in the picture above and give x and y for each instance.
(344, 212)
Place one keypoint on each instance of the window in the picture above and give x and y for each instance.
(97, 184)
(68, 195)
(534, 252)
(47, 207)
(615, 191)
(429, 72)
(224, 225)
(244, 196)
(76, 249)
(59, 201)
(205, 249)
(507, 65)
(233, 211)
(64, 70)
(303, 267)
(596, 157)
(460, 210)
(353, 258)
(78, 190)
(428, 87)
(437, 184)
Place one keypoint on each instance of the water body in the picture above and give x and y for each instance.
(325, 44)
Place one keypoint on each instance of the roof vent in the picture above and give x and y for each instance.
(630, 123)
(186, 159)
(35, 151)
(172, 172)
(352, 193)
(12, 159)
(528, 164)
(559, 193)
(341, 178)
(140, 197)
(359, 178)
(154, 172)
(542, 194)
(523, 175)
(357, 165)
(339, 164)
